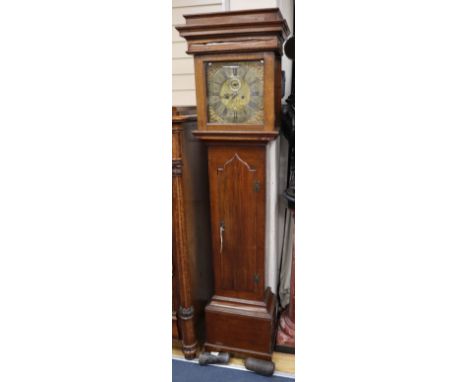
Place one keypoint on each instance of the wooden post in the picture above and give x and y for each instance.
(185, 311)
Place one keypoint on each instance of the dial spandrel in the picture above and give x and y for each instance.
(235, 92)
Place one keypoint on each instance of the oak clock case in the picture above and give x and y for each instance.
(237, 58)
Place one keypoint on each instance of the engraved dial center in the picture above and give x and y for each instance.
(235, 94)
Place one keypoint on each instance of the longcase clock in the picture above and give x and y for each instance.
(237, 58)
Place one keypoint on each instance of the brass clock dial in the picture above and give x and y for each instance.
(235, 92)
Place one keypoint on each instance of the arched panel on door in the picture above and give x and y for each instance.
(238, 224)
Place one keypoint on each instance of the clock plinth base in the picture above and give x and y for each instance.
(241, 327)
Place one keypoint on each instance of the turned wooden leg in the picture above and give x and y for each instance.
(189, 340)
(185, 312)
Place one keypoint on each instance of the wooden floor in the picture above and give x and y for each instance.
(284, 363)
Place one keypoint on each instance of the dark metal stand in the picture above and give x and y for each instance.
(285, 337)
